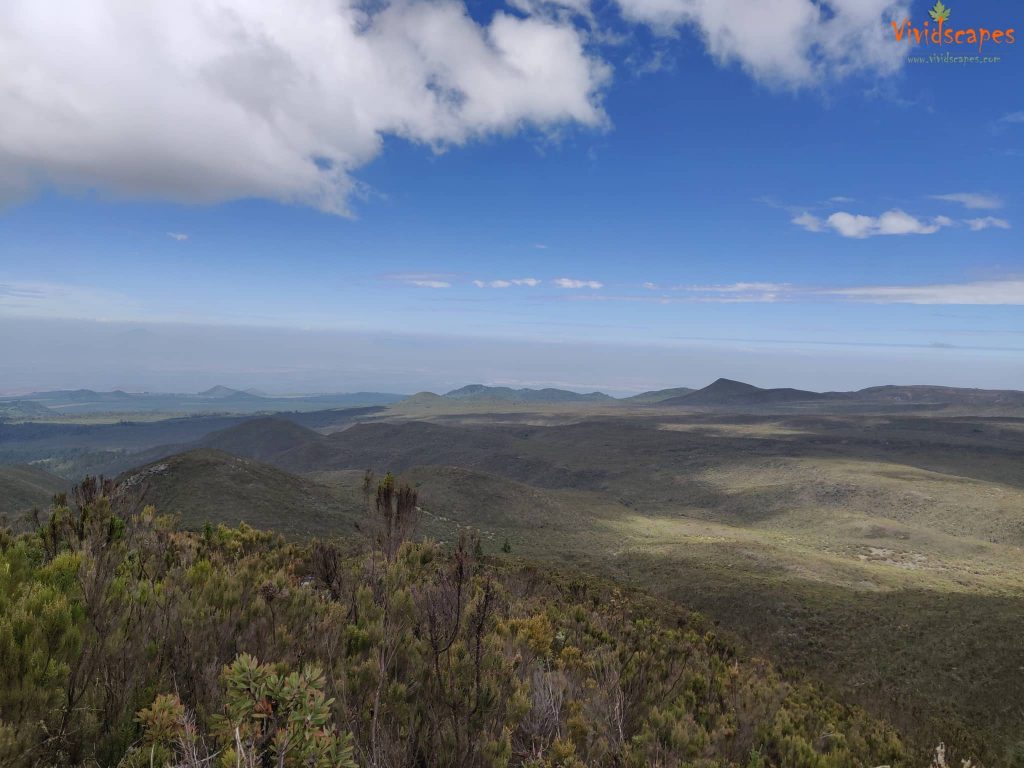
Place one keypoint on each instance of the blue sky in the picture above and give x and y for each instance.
(779, 200)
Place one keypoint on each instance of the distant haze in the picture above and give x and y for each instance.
(56, 354)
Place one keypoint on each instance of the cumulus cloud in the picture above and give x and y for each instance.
(179, 236)
(986, 222)
(202, 101)
(894, 222)
(972, 200)
(787, 42)
(527, 281)
(566, 282)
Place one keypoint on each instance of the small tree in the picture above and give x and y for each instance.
(396, 515)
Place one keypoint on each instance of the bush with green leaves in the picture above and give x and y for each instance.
(126, 642)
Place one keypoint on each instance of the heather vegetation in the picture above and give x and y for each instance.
(124, 641)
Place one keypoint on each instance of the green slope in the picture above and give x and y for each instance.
(212, 486)
(23, 486)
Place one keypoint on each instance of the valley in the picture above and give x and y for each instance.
(873, 545)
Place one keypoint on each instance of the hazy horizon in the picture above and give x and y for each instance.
(39, 355)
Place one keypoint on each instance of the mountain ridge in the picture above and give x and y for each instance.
(478, 392)
(729, 392)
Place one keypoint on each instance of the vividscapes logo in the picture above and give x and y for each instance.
(940, 31)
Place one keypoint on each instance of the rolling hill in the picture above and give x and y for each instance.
(212, 486)
(921, 393)
(220, 390)
(726, 392)
(17, 410)
(658, 395)
(482, 393)
(268, 439)
(816, 538)
(23, 487)
(730, 394)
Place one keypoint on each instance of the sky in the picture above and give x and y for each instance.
(619, 195)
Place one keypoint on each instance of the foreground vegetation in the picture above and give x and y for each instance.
(126, 642)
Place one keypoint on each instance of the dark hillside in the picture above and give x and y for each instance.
(23, 487)
(943, 395)
(726, 392)
(211, 486)
(482, 393)
(658, 395)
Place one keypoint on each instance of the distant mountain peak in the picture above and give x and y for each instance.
(471, 389)
(728, 392)
(220, 391)
(731, 385)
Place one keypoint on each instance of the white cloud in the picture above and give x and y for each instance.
(986, 222)
(734, 287)
(1008, 292)
(423, 279)
(651, 286)
(565, 282)
(894, 222)
(202, 101)
(972, 200)
(809, 221)
(179, 236)
(527, 281)
(898, 222)
(982, 292)
(852, 225)
(734, 293)
(430, 283)
(1012, 118)
(785, 42)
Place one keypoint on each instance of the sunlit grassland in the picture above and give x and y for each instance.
(849, 570)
